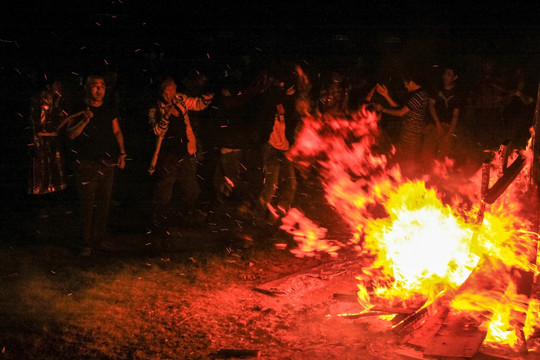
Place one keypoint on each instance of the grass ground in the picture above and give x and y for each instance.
(176, 305)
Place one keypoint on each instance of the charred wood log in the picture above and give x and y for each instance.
(421, 337)
(237, 353)
(503, 157)
(504, 182)
(483, 190)
(361, 315)
(377, 311)
(410, 320)
(346, 297)
(393, 310)
(321, 278)
(268, 292)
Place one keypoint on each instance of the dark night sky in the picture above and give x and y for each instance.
(185, 24)
(38, 38)
(79, 36)
(53, 34)
(266, 14)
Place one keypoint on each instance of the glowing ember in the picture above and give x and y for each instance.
(310, 237)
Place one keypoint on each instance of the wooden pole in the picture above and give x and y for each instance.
(483, 190)
(153, 163)
(504, 181)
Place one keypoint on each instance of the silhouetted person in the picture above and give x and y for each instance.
(99, 147)
(445, 105)
(518, 109)
(174, 159)
(47, 175)
(487, 98)
(233, 119)
(46, 116)
(279, 125)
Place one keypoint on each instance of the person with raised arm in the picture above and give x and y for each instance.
(174, 159)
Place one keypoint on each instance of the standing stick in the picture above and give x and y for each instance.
(152, 167)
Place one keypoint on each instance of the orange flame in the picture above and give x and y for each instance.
(423, 239)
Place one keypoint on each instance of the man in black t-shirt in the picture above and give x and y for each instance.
(99, 147)
(444, 107)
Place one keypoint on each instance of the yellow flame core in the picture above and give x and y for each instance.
(421, 245)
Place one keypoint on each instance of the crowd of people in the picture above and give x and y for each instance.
(225, 137)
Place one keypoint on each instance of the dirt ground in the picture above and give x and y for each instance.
(204, 295)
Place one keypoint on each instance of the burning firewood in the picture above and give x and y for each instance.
(509, 174)
(443, 330)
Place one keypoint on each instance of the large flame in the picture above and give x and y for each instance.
(422, 234)
(425, 247)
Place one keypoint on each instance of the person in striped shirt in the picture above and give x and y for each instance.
(414, 119)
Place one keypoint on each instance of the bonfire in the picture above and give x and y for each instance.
(452, 258)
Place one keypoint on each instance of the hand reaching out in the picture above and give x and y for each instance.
(382, 89)
(121, 161)
(303, 85)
